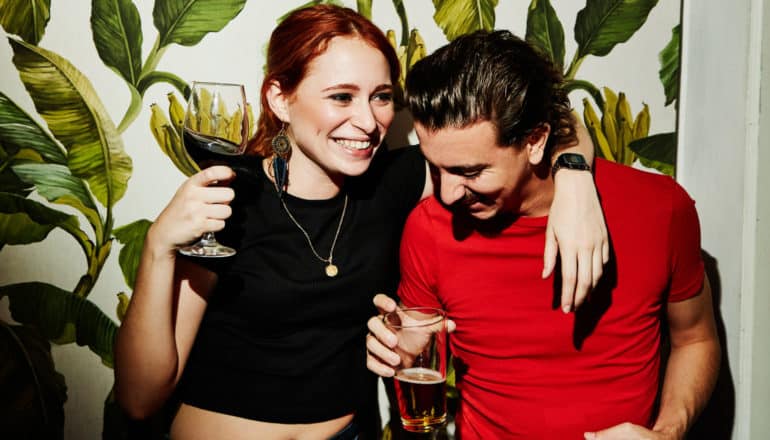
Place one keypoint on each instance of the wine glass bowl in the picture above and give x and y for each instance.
(216, 128)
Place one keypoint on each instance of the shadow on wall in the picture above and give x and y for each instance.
(718, 418)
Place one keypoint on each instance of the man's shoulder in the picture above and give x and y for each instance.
(429, 214)
(628, 183)
(651, 199)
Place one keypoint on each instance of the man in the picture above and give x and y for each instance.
(487, 109)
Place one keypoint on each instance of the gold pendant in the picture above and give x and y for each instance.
(331, 270)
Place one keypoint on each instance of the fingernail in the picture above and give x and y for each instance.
(566, 309)
(589, 435)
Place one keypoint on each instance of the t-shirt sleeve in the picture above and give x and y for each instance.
(686, 264)
(419, 265)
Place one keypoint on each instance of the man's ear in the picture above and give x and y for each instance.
(278, 101)
(536, 143)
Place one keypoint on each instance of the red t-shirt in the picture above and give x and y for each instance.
(527, 370)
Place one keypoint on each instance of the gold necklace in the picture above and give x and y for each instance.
(331, 269)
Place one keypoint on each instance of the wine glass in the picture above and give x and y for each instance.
(215, 130)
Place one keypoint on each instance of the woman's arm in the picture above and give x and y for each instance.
(576, 228)
(169, 298)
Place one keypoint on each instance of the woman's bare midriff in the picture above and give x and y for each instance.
(191, 423)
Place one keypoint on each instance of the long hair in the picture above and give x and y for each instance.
(495, 77)
(296, 42)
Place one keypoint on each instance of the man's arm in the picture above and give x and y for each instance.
(691, 372)
(692, 368)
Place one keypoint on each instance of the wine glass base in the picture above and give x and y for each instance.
(214, 250)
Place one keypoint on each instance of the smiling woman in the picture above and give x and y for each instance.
(229, 335)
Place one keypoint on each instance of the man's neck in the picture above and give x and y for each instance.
(536, 193)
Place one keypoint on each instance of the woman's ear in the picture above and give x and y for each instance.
(536, 143)
(278, 101)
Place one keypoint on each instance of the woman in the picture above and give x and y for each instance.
(269, 344)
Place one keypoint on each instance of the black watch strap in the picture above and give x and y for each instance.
(571, 161)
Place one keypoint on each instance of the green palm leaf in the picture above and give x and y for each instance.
(132, 238)
(18, 131)
(604, 23)
(657, 151)
(458, 17)
(186, 22)
(57, 185)
(62, 317)
(24, 221)
(669, 66)
(117, 31)
(545, 31)
(25, 18)
(67, 101)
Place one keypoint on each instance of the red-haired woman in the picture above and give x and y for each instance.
(270, 344)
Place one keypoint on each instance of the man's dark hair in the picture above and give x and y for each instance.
(491, 76)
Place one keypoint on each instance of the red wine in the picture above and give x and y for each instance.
(209, 150)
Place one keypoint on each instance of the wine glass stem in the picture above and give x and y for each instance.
(208, 239)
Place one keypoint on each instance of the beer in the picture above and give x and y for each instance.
(421, 395)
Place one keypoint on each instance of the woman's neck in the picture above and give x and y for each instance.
(306, 179)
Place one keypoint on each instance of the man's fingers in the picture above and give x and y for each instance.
(382, 353)
(550, 252)
(384, 303)
(381, 332)
(624, 431)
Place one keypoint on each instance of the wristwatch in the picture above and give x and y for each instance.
(571, 161)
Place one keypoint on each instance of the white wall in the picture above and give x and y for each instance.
(236, 55)
(723, 162)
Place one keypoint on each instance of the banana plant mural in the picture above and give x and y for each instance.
(70, 172)
(78, 159)
(599, 27)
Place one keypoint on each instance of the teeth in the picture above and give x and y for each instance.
(356, 145)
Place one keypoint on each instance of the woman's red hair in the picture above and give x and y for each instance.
(296, 42)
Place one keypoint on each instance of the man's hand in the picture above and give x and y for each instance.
(380, 342)
(384, 350)
(576, 230)
(629, 431)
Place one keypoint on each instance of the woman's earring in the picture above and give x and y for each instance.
(282, 149)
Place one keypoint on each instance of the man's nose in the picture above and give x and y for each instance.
(452, 189)
(363, 118)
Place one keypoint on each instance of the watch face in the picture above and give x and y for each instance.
(571, 159)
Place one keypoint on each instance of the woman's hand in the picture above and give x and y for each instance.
(196, 208)
(576, 231)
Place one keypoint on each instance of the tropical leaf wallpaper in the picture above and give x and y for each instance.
(91, 99)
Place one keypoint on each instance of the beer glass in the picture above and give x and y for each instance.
(421, 376)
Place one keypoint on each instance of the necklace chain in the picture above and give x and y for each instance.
(331, 269)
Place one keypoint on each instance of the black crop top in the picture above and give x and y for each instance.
(280, 340)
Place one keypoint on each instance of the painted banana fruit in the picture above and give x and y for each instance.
(617, 128)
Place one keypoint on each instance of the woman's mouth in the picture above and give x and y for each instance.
(353, 145)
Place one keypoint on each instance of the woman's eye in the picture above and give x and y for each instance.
(383, 97)
(342, 97)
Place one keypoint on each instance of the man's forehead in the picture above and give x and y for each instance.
(465, 147)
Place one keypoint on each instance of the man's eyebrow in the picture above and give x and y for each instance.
(463, 169)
